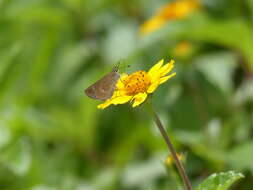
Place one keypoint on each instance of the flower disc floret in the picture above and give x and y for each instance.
(137, 82)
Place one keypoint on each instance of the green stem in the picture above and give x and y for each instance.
(179, 165)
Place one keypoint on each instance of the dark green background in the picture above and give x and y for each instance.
(52, 137)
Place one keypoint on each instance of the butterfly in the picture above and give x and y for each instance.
(103, 89)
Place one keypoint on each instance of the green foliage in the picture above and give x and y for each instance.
(220, 181)
(53, 137)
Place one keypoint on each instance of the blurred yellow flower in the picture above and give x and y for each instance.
(178, 9)
(136, 86)
(183, 48)
(169, 160)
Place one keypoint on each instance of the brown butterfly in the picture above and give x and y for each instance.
(103, 89)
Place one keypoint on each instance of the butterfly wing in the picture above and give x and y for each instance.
(103, 89)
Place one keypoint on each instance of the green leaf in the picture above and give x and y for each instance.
(240, 156)
(17, 157)
(218, 68)
(220, 181)
(205, 29)
(223, 32)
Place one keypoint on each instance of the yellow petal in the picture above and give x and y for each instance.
(164, 79)
(167, 68)
(115, 100)
(104, 105)
(120, 83)
(155, 68)
(173, 10)
(121, 100)
(152, 87)
(178, 9)
(139, 98)
(151, 25)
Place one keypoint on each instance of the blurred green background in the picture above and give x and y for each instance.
(52, 137)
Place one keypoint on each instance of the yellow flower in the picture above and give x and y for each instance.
(136, 86)
(169, 161)
(155, 23)
(175, 10)
(183, 48)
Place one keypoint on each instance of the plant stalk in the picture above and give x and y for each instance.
(179, 165)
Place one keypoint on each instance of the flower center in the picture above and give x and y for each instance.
(137, 82)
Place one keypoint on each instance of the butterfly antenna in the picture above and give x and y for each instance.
(116, 68)
(122, 64)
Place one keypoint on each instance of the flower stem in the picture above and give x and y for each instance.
(173, 152)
